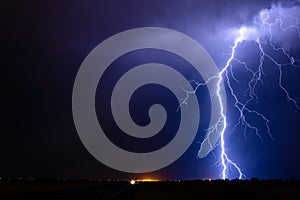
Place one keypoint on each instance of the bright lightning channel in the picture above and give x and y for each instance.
(224, 156)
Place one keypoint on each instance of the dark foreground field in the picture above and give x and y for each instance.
(62, 189)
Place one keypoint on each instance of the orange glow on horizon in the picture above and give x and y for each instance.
(147, 180)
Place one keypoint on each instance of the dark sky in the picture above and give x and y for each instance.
(44, 43)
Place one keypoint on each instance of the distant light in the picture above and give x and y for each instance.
(209, 179)
(147, 180)
(132, 182)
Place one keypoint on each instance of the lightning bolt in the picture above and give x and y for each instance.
(224, 157)
(262, 34)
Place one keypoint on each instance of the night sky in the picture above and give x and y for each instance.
(45, 42)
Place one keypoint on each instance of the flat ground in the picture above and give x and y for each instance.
(45, 189)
